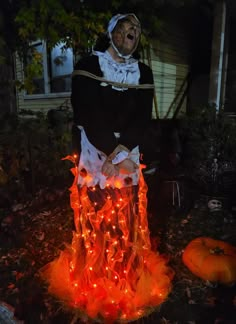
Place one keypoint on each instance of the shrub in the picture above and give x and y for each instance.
(30, 154)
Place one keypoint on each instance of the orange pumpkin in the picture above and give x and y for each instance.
(211, 260)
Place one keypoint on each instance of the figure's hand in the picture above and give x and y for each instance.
(127, 166)
(109, 170)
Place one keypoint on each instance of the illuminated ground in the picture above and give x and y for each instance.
(32, 234)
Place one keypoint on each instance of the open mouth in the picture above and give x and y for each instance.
(129, 36)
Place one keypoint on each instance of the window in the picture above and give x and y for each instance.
(38, 82)
(57, 69)
(61, 63)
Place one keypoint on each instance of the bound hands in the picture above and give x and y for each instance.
(109, 170)
(126, 166)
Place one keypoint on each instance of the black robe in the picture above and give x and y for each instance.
(109, 272)
(102, 110)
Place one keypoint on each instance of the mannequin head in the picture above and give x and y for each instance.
(124, 32)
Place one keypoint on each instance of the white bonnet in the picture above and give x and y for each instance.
(114, 20)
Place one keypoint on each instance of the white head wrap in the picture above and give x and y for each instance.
(112, 24)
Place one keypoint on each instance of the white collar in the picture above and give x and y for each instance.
(124, 72)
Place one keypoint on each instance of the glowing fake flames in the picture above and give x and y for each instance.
(109, 272)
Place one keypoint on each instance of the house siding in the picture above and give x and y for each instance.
(38, 103)
(170, 65)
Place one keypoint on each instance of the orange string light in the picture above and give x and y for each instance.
(110, 271)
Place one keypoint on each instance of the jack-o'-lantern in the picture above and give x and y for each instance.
(212, 260)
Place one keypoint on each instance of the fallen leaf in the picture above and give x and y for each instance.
(40, 236)
(211, 301)
(11, 286)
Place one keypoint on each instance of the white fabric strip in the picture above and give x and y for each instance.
(90, 165)
(127, 72)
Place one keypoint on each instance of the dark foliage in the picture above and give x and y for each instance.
(31, 153)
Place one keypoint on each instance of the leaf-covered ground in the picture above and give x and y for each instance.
(32, 234)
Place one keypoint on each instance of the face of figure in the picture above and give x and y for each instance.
(126, 35)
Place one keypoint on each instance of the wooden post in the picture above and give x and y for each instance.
(217, 56)
(155, 96)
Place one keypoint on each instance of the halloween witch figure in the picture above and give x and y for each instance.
(109, 272)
